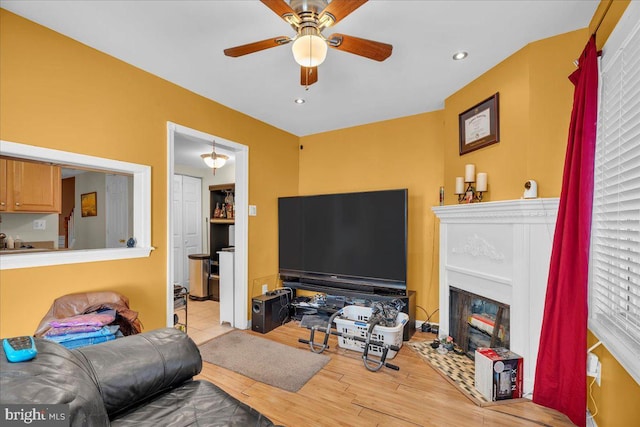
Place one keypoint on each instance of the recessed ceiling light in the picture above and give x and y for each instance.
(299, 101)
(460, 55)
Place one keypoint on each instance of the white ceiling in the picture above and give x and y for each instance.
(183, 42)
(187, 151)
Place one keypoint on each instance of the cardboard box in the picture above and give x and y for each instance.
(498, 373)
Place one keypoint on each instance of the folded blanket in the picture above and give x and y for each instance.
(90, 319)
(64, 330)
(87, 341)
(105, 330)
(89, 302)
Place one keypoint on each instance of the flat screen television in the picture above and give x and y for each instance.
(348, 241)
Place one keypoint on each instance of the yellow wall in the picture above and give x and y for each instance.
(617, 398)
(606, 18)
(400, 153)
(58, 93)
(535, 100)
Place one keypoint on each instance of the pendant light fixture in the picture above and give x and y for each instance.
(214, 160)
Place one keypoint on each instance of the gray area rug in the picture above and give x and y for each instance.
(263, 360)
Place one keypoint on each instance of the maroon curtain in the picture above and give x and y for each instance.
(560, 381)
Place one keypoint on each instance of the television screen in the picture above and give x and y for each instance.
(360, 236)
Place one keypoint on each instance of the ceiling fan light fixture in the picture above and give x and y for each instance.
(309, 50)
(213, 160)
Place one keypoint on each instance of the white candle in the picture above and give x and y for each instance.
(459, 185)
(469, 173)
(481, 184)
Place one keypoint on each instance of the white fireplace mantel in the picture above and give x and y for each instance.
(500, 250)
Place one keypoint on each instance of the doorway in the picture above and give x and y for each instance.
(175, 133)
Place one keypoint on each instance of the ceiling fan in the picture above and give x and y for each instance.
(309, 18)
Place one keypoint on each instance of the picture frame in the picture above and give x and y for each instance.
(89, 204)
(480, 125)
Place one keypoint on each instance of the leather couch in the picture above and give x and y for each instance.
(138, 380)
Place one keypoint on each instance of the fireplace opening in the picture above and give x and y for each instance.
(476, 321)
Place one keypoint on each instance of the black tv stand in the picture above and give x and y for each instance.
(409, 298)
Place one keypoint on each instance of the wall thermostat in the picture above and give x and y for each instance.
(530, 189)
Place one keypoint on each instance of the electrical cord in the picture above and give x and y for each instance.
(285, 303)
(592, 381)
(428, 315)
(426, 326)
(592, 416)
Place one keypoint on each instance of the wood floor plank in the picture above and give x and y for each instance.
(305, 410)
(345, 393)
(382, 419)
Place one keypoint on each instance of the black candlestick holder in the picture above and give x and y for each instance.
(470, 195)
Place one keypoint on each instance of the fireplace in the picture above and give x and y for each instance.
(499, 251)
(476, 321)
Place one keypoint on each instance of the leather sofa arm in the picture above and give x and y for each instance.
(132, 369)
(56, 376)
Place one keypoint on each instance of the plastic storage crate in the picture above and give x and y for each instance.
(355, 324)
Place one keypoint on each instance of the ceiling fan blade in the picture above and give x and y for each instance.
(339, 9)
(256, 46)
(308, 75)
(368, 48)
(283, 10)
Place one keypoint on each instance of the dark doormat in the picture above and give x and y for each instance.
(269, 362)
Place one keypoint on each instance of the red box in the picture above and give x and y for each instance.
(498, 373)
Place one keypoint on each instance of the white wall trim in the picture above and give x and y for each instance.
(141, 208)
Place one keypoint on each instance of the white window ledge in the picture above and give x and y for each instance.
(74, 256)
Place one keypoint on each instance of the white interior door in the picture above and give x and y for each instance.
(187, 225)
(178, 252)
(191, 220)
(117, 211)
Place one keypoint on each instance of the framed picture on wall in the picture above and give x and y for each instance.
(89, 204)
(479, 125)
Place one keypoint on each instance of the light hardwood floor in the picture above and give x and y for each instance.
(203, 321)
(344, 393)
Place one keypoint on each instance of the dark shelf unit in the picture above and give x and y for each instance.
(218, 234)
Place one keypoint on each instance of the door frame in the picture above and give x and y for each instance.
(241, 152)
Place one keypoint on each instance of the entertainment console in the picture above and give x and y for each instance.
(409, 298)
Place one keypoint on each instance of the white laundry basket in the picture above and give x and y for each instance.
(353, 322)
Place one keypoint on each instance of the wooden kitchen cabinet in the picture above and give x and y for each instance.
(29, 187)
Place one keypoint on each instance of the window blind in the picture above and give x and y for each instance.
(614, 293)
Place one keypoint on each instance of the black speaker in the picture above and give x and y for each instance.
(269, 312)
